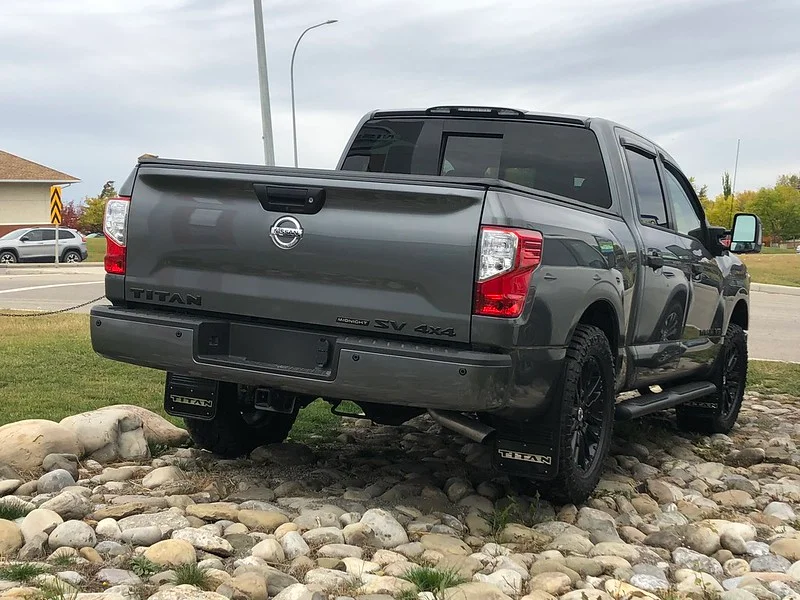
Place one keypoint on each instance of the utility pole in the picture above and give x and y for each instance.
(733, 185)
(263, 83)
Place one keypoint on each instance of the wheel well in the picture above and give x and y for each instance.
(12, 250)
(739, 316)
(602, 315)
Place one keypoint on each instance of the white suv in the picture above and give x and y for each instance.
(38, 244)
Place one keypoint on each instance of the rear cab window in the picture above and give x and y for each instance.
(560, 159)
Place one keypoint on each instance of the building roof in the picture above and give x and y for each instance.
(18, 169)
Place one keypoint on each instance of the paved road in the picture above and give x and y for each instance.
(774, 323)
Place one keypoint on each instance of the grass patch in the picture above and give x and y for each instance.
(96, 248)
(144, 567)
(776, 250)
(191, 574)
(31, 390)
(428, 579)
(778, 269)
(64, 560)
(13, 509)
(773, 377)
(23, 572)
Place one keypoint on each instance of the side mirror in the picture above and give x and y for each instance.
(24, 238)
(746, 234)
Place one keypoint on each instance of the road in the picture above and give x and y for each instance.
(774, 322)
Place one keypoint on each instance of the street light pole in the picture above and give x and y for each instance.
(291, 75)
(263, 84)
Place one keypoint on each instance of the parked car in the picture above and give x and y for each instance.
(94, 235)
(797, 249)
(38, 244)
(506, 272)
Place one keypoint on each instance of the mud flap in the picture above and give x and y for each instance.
(529, 448)
(191, 397)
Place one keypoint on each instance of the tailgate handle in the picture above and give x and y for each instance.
(306, 201)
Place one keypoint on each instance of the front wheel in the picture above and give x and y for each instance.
(587, 417)
(730, 376)
(72, 256)
(239, 428)
(7, 257)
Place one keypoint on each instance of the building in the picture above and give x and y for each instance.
(25, 192)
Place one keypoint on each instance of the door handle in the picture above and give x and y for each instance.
(654, 259)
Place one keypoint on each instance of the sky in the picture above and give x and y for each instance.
(87, 86)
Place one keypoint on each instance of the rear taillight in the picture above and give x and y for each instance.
(506, 262)
(115, 228)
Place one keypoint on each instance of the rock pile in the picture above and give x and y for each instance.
(409, 512)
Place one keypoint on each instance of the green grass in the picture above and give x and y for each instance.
(778, 269)
(776, 250)
(96, 248)
(23, 572)
(32, 388)
(191, 574)
(428, 579)
(143, 566)
(773, 377)
(13, 509)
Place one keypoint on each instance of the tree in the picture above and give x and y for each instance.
(702, 191)
(790, 180)
(727, 188)
(71, 215)
(779, 210)
(91, 220)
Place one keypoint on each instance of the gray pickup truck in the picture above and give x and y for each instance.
(507, 272)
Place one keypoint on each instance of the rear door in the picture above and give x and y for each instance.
(661, 312)
(364, 252)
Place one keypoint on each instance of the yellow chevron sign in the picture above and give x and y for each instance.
(56, 206)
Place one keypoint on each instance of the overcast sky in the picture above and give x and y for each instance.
(86, 86)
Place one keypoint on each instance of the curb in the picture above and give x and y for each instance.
(73, 269)
(769, 288)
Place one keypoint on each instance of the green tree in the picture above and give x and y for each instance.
(727, 188)
(702, 191)
(779, 210)
(91, 221)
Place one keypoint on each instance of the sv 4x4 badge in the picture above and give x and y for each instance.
(397, 326)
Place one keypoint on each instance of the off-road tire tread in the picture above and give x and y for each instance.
(229, 436)
(690, 419)
(569, 487)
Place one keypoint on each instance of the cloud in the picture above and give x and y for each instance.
(89, 85)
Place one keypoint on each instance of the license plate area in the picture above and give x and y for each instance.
(191, 397)
(271, 349)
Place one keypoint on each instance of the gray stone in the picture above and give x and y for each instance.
(388, 532)
(167, 521)
(69, 505)
(287, 454)
(142, 536)
(34, 548)
(39, 521)
(294, 545)
(757, 548)
(770, 563)
(600, 525)
(737, 594)
(68, 462)
(650, 583)
(162, 476)
(72, 534)
(780, 510)
(111, 548)
(205, 541)
(118, 577)
(733, 542)
(689, 559)
(299, 591)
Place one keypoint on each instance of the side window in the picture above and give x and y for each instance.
(34, 235)
(48, 235)
(646, 185)
(687, 221)
(65, 235)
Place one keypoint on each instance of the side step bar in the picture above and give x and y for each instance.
(644, 405)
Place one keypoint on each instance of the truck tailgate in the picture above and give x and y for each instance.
(383, 254)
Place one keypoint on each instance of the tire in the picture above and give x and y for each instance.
(7, 257)
(730, 376)
(71, 256)
(236, 430)
(587, 417)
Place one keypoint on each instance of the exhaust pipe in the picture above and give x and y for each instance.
(469, 428)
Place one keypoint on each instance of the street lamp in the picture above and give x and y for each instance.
(263, 83)
(291, 74)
